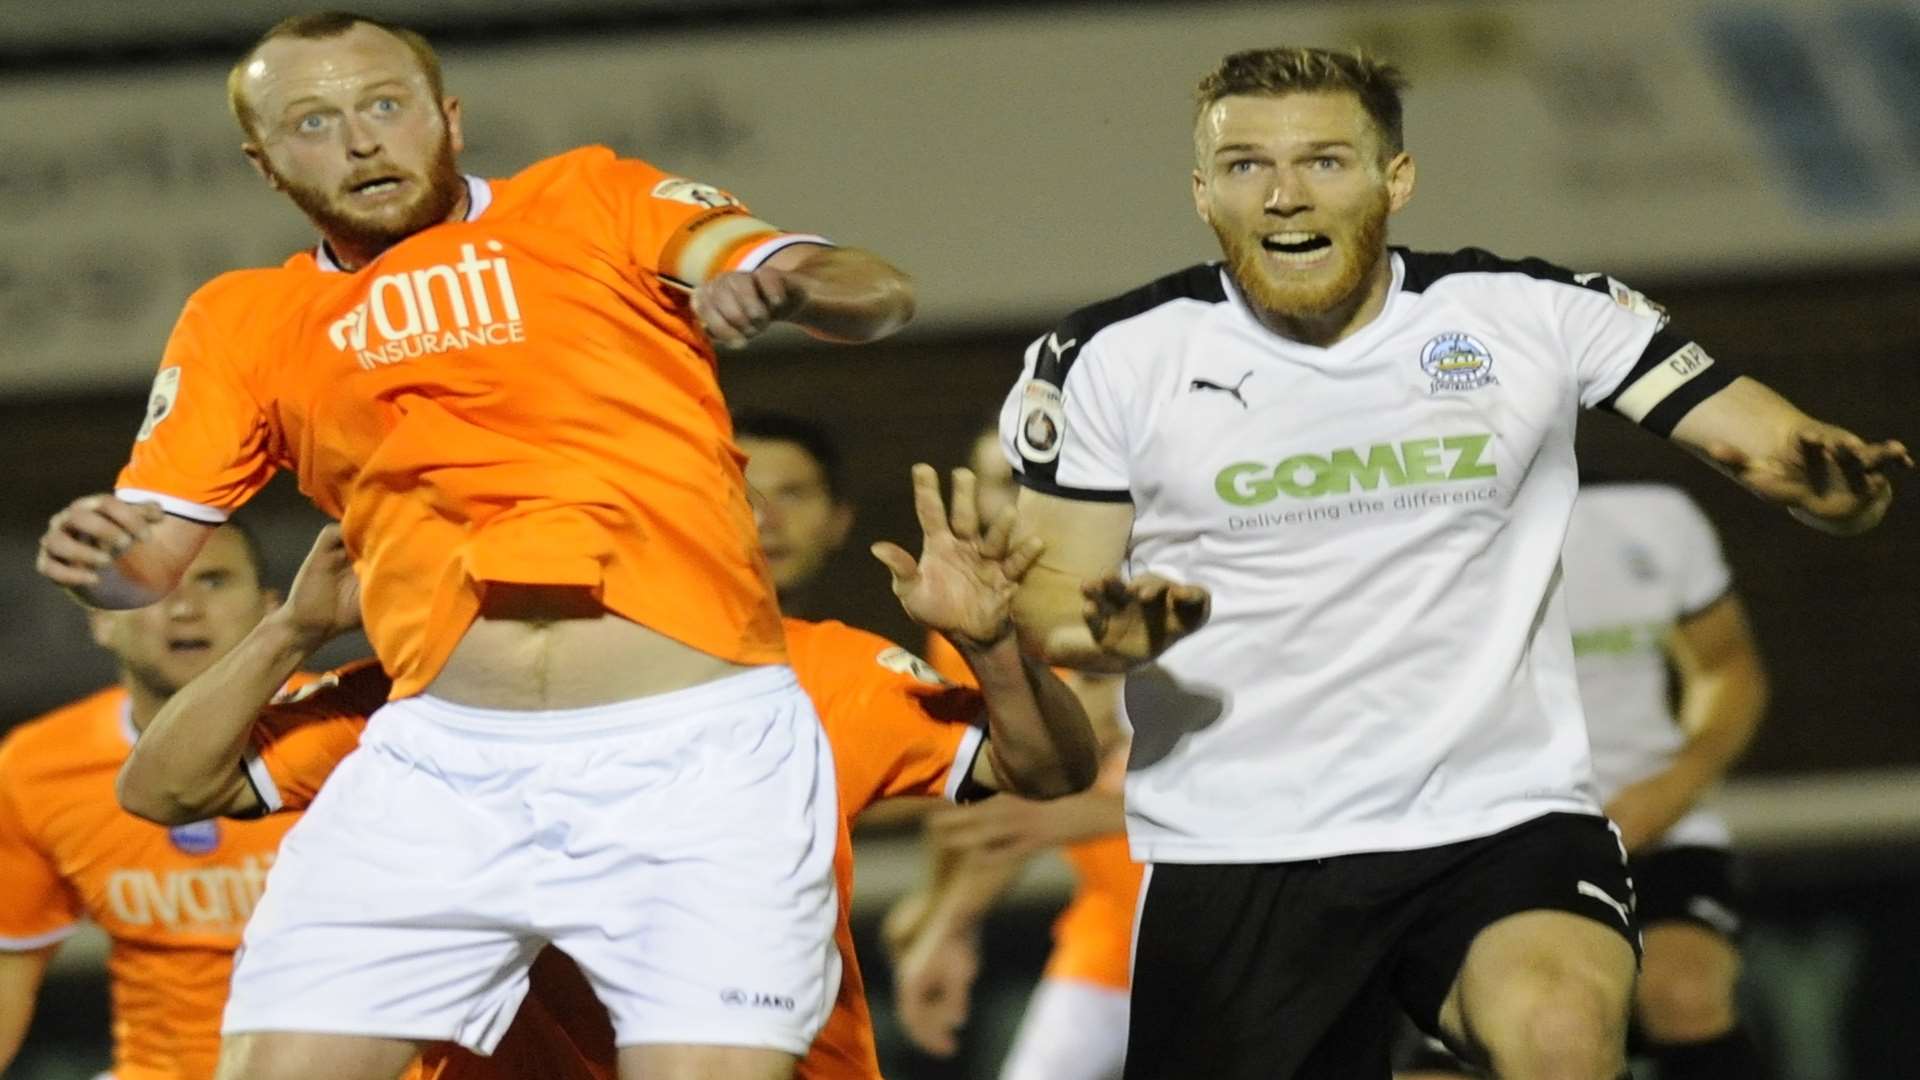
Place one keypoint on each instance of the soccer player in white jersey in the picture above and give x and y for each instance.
(1646, 585)
(1311, 500)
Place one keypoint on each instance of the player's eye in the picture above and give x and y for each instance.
(310, 123)
(1242, 166)
(386, 105)
(1326, 163)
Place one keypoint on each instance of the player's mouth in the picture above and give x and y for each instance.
(189, 646)
(1297, 249)
(376, 188)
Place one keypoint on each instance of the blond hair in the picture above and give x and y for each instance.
(1298, 69)
(319, 26)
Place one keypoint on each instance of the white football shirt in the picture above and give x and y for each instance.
(1388, 665)
(1639, 559)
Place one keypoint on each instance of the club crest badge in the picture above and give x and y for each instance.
(1042, 419)
(166, 391)
(196, 838)
(1457, 362)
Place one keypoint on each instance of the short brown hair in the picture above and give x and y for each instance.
(318, 26)
(1297, 69)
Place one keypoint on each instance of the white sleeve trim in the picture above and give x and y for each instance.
(964, 757)
(263, 784)
(767, 248)
(38, 941)
(192, 511)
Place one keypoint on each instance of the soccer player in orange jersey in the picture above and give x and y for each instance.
(171, 899)
(804, 513)
(1075, 1026)
(506, 392)
(895, 727)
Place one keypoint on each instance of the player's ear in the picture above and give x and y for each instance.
(1200, 198)
(456, 137)
(841, 522)
(257, 158)
(1400, 177)
(100, 627)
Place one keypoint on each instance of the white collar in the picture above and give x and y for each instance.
(479, 197)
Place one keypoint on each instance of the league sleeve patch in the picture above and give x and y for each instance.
(1631, 299)
(1042, 422)
(899, 660)
(692, 192)
(166, 390)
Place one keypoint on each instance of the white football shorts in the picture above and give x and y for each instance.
(678, 847)
(1072, 1030)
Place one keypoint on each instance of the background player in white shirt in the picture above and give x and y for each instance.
(1647, 586)
(1366, 777)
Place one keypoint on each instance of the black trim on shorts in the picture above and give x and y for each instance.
(1689, 883)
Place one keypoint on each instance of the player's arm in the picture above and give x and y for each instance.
(109, 552)
(1075, 610)
(1042, 742)
(1631, 361)
(978, 853)
(200, 454)
(20, 974)
(1723, 694)
(189, 763)
(1826, 476)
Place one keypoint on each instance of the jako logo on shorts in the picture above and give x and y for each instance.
(467, 305)
(1414, 461)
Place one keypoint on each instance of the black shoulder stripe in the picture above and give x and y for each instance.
(1426, 267)
(1058, 349)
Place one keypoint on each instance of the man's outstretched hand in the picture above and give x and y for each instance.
(1821, 472)
(963, 583)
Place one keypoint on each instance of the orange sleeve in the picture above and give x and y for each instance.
(297, 743)
(947, 660)
(896, 726)
(202, 450)
(37, 906)
(689, 232)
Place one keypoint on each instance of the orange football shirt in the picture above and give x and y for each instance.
(522, 397)
(895, 728)
(1093, 937)
(173, 901)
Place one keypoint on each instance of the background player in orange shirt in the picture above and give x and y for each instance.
(793, 465)
(1075, 1026)
(505, 391)
(895, 727)
(172, 900)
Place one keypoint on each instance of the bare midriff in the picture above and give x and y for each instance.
(534, 648)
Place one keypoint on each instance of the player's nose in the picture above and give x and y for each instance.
(363, 141)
